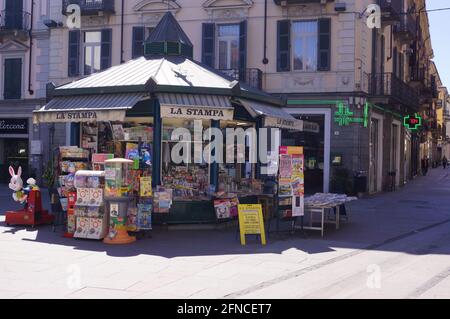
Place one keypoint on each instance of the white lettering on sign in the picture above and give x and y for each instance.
(5, 126)
(290, 124)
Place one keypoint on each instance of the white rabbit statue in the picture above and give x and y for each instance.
(16, 184)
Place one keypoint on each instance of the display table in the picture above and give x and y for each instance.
(321, 204)
(198, 211)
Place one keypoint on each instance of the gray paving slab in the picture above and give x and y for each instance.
(405, 233)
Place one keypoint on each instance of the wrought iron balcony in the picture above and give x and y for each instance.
(430, 91)
(407, 27)
(391, 9)
(251, 77)
(418, 75)
(14, 21)
(391, 89)
(91, 7)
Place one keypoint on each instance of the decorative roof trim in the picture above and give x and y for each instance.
(12, 46)
(210, 5)
(172, 6)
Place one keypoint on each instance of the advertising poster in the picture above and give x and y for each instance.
(292, 177)
(285, 166)
(272, 163)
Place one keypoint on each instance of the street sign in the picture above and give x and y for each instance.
(251, 222)
(413, 122)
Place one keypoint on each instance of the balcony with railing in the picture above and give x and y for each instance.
(12, 22)
(429, 89)
(391, 9)
(407, 27)
(91, 7)
(389, 89)
(417, 75)
(251, 77)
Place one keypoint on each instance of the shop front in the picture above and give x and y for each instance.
(14, 146)
(191, 137)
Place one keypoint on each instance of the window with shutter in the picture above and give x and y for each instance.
(208, 44)
(283, 45)
(324, 52)
(12, 80)
(304, 45)
(92, 52)
(74, 53)
(138, 42)
(228, 47)
(401, 66)
(106, 50)
(140, 34)
(242, 50)
(394, 62)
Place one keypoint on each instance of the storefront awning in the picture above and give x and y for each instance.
(196, 106)
(273, 116)
(87, 108)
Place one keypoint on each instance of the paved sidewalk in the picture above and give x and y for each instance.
(212, 264)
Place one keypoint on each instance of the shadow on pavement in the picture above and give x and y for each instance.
(374, 222)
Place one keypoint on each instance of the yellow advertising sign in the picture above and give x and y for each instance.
(251, 222)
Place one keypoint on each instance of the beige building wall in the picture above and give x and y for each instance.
(347, 80)
(29, 42)
(350, 37)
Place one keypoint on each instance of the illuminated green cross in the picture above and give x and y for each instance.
(344, 117)
(413, 122)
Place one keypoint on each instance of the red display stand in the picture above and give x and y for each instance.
(32, 215)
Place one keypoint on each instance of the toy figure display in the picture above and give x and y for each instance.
(30, 196)
(118, 193)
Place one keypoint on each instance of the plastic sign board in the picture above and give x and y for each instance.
(251, 222)
(413, 122)
(292, 178)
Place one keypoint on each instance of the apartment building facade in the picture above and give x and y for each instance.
(24, 60)
(356, 83)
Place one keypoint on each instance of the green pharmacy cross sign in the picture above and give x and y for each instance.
(344, 117)
(413, 123)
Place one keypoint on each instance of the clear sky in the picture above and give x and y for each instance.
(440, 37)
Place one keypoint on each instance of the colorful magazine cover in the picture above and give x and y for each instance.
(146, 186)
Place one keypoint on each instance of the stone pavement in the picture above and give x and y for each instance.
(392, 230)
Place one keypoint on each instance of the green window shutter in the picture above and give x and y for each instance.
(106, 51)
(13, 79)
(13, 14)
(324, 43)
(74, 53)
(138, 42)
(208, 44)
(394, 62)
(284, 46)
(242, 49)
